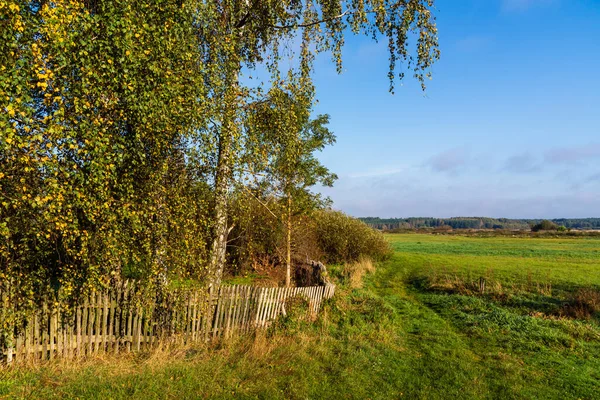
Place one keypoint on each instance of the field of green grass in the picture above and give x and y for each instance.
(419, 327)
(562, 261)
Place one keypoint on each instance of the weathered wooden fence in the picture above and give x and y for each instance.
(114, 321)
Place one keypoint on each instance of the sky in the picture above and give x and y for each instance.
(509, 126)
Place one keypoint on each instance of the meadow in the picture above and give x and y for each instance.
(418, 326)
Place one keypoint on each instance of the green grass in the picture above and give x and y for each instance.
(415, 330)
(562, 261)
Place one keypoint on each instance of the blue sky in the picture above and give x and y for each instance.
(508, 127)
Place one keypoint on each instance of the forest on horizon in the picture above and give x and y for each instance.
(475, 223)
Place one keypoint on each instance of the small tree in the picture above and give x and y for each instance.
(286, 140)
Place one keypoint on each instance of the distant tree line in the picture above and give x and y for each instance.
(476, 223)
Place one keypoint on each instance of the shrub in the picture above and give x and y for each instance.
(257, 237)
(344, 239)
(258, 240)
(545, 225)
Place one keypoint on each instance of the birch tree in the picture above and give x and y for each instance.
(239, 34)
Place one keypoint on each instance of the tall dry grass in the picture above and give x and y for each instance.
(583, 304)
(355, 272)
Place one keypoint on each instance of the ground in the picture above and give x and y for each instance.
(419, 327)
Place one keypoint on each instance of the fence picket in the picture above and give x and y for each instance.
(235, 310)
(44, 327)
(276, 303)
(265, 305)
(138, 332)
(271, 305)
(215, 328)
(259, 303)
(229, 310)
(28, 340)
(52, 333)
(117, 319)
(129, 326)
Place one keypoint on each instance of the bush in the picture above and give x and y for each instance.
(344, 239)
(545, 225)
(258, 240)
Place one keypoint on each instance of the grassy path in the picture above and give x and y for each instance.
(437, 362)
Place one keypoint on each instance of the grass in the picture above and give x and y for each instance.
(417, 327)
(564, 262)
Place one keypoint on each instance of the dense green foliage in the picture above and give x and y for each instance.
(476, 223)
(404, 334)
(345, 239)
(545, 225)
(98, 101)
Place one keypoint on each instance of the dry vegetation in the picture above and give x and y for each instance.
(355, 272)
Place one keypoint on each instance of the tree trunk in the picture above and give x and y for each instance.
(288, 258)
(223, 178)
(219, 244)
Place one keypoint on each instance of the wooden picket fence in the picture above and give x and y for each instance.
(114, 321)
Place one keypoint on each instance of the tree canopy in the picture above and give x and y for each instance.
(127, 127)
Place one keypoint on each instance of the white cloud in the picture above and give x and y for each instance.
(573, 155)
(522, 163)
(524, 185)
(449, 160)
(379, 171)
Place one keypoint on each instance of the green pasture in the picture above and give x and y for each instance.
(564, 262)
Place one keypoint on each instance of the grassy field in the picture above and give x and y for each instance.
(417, 328)
(561, 261)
